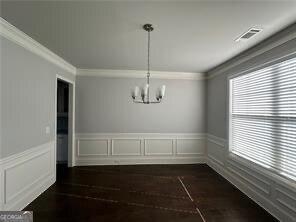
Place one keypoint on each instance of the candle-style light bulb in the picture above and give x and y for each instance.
(162, 91)
(146, 87)
(144, 92)
(135, 92)
(158, 94)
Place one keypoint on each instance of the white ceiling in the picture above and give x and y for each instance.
(188, 37)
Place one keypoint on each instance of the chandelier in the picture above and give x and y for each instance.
(145, 91)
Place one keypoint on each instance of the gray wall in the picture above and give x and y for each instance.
(104, 105)
(243, 174)
(217, 98)
(217, 106)
(27, 98)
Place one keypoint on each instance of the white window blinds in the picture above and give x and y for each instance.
(262, 119)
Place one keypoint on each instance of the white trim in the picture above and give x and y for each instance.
(261, 66)
(231, 168)
(13, 34)
(126, 154)
(289, 184)
(65, 79)
(144, 157)
(281, 180)
(177, 142)
(215, 159)
(146, 153)
(140, 160)
(14, 197)
(280, 190)
(220, 69)
(79, 154)
(216, 140)
(109, 73)
(291, 207)
(284, 203)
(257, 183)
(261, 200)
(141, 135)
(71, 149)
(252, 173)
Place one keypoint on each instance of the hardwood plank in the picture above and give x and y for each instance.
(144, 193)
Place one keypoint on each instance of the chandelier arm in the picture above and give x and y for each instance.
(138, 101)
(154, 102)
(146, 102)
(145, 95)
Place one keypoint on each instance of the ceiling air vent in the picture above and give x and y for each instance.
(247, 35)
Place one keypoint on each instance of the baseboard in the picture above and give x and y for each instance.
(139, 161)
(139, 148)
(257, 186)
(26, 175)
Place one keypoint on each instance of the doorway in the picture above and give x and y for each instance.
(65, 102)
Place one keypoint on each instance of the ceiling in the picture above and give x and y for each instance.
(189, 36)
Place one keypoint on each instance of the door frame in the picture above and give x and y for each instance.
(71, 120)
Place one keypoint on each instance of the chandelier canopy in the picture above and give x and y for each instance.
(145, 91)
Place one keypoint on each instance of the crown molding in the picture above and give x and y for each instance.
(13, 34)
(227, 65)
(109, 73)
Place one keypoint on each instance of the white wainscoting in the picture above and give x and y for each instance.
(126, 147)
(26, 175)
(156, 147)
(190, 147)
(139, 148)
(93, 147)
(275, 194)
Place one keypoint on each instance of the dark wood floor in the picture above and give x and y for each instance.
(144, 193)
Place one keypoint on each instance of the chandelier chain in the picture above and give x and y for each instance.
(145, 91)
(148, 59)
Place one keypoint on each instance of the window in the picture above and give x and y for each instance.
(262, 121)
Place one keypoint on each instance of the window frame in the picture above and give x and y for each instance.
(281, 179)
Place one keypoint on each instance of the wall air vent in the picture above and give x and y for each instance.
(247, 35)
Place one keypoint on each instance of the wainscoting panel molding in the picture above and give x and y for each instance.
(190, 146)
(140, 148)
(216, 149)
(159, 147)
(287, 199)
(26, 175)
(275, 194)
(93, 147)
(126, 147)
